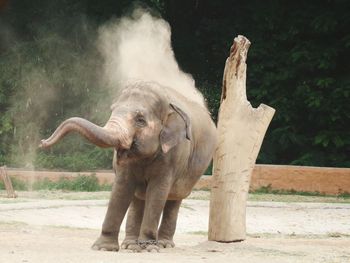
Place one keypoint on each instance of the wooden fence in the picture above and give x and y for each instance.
(7, 182)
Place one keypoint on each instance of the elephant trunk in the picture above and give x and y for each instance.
(111, 135)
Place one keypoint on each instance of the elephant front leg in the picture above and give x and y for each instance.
(167, 228)
(156, 196)
(133, 224)
(121, 196)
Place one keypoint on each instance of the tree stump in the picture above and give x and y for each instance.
(241, 129)
(8, 184)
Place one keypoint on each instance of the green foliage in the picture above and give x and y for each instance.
(47, 76)
(209, 170)
(298, 63)
(80, 184)
(268, 190)
(16, 184)
(88, 158)
(345, 195)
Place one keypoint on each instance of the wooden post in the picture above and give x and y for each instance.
(241, 129)
(8, 184)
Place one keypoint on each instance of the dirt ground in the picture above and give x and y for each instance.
(61, 227)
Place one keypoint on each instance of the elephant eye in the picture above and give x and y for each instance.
(140, 121)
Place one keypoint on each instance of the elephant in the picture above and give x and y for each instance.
(163, 142)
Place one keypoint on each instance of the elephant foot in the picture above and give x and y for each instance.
(138, 246)
(152, 248)
(166, 243)
(106, 243)
(142, 246)
(131, 244)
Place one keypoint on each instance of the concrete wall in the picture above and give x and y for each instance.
(277, 177)
(302, 178)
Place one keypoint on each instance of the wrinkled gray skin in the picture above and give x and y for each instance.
(163, 143)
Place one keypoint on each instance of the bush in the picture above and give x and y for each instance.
(80, 183)
(17, 184)
(76, 160)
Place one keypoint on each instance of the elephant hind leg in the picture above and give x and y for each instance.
(168, 225)
(133, 224)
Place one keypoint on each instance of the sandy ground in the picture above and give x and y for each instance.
(44, 228)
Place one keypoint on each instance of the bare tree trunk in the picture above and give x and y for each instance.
(241, 129)
(8, 184)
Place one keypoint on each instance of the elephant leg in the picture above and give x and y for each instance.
(121, 196)
(133, 224)
(167, 227)
(156, 196)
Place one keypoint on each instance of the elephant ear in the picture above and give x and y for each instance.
(176, 128)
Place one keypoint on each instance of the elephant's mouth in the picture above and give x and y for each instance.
(126, 155)
(134, 154)
(123, 154)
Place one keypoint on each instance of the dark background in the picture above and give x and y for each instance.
(298, 63)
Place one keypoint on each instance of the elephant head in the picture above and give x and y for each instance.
(143, 123)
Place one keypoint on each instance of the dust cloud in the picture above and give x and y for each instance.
(57, 75)
(138, 47)
(29, 111)
(46, 79)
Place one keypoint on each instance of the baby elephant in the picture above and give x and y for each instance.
(163, 143)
